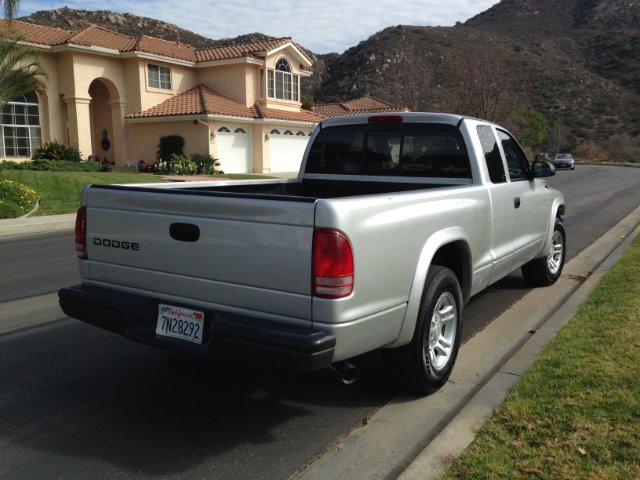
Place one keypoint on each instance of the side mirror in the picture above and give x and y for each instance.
(543, 169)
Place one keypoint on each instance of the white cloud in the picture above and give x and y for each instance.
(321, 26)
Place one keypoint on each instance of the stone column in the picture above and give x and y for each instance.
(79, 119)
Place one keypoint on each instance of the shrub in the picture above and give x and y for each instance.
(176, 165)
(589, 150)
(205, 163)
(16, 199)
(7, 165)
(62, 166)
(55, 150)
(623, 148)
(170, 145)
(42, 165)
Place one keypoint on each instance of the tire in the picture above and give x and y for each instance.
(542, 272)
(424, 365)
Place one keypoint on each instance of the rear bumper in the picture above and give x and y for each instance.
(225, 335)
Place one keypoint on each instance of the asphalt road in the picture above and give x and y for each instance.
(77, 402)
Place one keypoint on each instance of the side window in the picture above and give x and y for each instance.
(159, 77)
(516, 159)
(492, 155)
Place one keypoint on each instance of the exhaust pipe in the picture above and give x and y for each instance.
(345, 372)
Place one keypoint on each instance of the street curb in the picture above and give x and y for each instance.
(399, 434)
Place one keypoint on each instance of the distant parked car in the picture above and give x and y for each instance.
(564, 160)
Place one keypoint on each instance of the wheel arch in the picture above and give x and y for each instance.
(448, 248)
(556, 213)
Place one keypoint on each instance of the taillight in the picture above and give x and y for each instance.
(332, 264)
(81, 233)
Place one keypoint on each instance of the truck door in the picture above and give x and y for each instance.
(502, 206)
(531, 210)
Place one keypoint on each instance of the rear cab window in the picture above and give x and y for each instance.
(412, 149)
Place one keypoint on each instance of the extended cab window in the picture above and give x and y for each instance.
(492, 156)
(516, 159)
(418, 149)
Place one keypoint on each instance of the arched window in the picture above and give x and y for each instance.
(282, 83)
(224, 130)
(275, 132)
(20, 131)
(288, 132)
(239, 130)
(300, 134)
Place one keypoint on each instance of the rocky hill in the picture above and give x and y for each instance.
(129, 24)
(580, 60)
(576, 61)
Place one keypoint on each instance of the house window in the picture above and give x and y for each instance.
(159, 77)
(20, 131)
(282, 83)
(224, 130)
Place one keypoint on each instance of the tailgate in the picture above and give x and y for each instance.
(228, 250)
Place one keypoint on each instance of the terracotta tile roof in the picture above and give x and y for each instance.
(36, 34)
(359, 105)
(272, 113)
(239, 51)
(166, 48)
(202, 100)
(199, 100)
(101, 37)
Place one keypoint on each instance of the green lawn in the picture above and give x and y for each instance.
(576, 413)
(60, 191)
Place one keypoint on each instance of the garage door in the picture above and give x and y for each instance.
(286, 149)
(234, 149)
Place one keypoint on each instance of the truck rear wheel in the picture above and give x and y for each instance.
(542, 272)
(424, 365)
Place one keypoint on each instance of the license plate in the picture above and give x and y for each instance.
(179, 322)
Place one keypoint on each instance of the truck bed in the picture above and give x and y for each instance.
(291, 190)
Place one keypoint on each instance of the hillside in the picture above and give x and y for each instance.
(581, 59)
(577, 61)
(129, 24)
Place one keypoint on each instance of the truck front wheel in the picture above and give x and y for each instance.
(424, 365)
(542, 272)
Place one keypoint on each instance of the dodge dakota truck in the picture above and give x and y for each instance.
(392, 224)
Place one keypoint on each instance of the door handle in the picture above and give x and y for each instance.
(516, 202)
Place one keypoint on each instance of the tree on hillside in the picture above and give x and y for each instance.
(529, 126)
(408, 75)
(484, 83)
(20, 70)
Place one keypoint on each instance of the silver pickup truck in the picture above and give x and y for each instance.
(393, 223)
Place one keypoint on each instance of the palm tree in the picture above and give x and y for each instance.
(20, 70)
(10, 8)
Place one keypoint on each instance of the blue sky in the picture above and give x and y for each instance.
(322, 26)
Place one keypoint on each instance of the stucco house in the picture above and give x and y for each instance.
(240, 103)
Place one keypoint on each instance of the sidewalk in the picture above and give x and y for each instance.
(13, 227)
